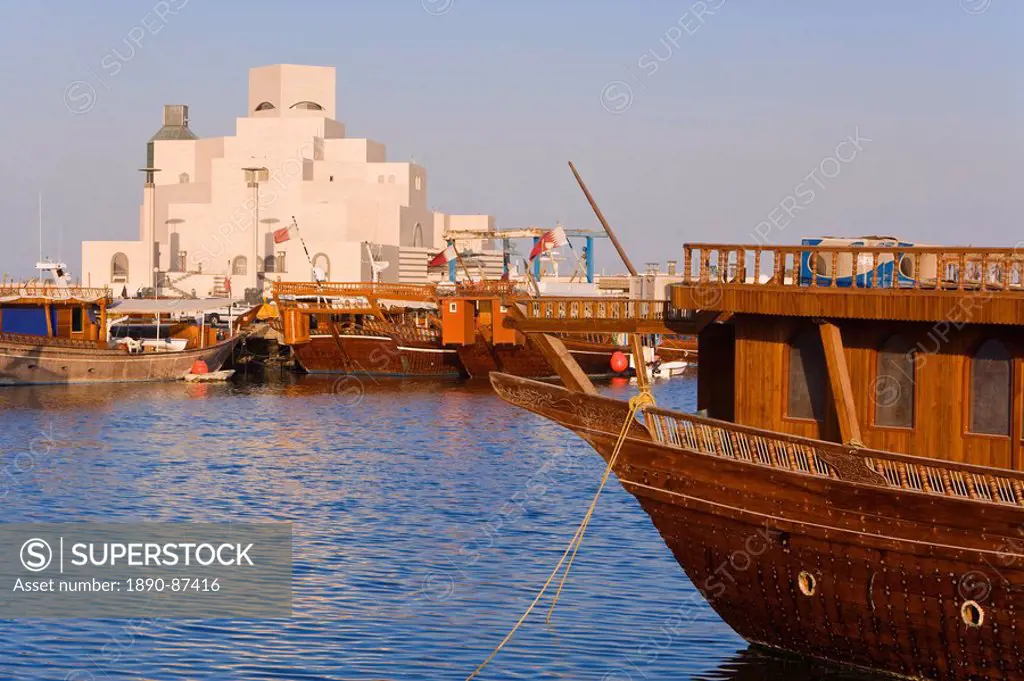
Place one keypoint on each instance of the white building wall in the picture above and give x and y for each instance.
(341, 192)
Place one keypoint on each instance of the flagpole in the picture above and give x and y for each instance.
(295, 225)
(302, 241)
(529, 275)
(459, 258)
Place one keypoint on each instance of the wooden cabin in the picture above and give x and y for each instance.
(899, 347)
(894, 346)
(478, 311)
(46, 311)
(309, 309)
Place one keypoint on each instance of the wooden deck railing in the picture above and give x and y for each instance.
(490, 288)
(876, 267)
(333, 288)
(48, 341)
(823, 459)
(594, 308)
(50, 292)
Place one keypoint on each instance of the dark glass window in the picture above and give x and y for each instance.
(76, 320)
(806, 399)
(991, 371)
(894, 385)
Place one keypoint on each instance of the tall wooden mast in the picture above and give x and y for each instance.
(604, 223)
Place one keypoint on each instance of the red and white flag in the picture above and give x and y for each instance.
(281, 235)
(549, 240)
(444, 257)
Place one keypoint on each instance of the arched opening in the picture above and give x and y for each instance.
(894, 384)
(265, 106)
(306, 105)
(991, 372)
(119, 268)
(417, 236)
(323, 263)
(806, 399)
(239, 266)
(183, 178)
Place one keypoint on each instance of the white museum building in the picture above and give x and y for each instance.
(211, 207)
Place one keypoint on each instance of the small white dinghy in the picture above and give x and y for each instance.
(210, 377)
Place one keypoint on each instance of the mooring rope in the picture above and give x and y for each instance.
(636, 405)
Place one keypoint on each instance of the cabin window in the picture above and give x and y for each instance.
(239, 266)
(77, 320)
(806, 399)
(312, 322)
(893, 391)
(990, 389)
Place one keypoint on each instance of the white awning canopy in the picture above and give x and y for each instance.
(180, 307)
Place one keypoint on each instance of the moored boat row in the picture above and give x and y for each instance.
(422, 331)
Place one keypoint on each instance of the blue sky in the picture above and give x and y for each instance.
(687, 128)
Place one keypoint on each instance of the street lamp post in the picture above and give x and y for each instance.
(150, 187)
(254, 182)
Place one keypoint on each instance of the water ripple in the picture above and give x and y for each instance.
(424, 520)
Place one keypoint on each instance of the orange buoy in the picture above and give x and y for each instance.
(619, 362)
(199, 367)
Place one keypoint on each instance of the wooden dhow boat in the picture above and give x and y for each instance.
(418, 330)
(376, 329)
(473, 322)
(851, 488)
(59, 334)
(677, 348)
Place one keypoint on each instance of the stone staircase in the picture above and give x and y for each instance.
(172, 285)
(219, 289)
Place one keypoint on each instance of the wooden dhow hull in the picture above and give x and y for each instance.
(909, 566)
(374, 355)
(677, 350)
(27, 360)
(482, 358)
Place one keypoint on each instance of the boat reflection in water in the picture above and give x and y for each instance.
(755, 664)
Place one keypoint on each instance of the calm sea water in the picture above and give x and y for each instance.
(425, 516)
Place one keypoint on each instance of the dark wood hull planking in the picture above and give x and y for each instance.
(863, 574)
(677, 350)
(524, 360)
(376, 355)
